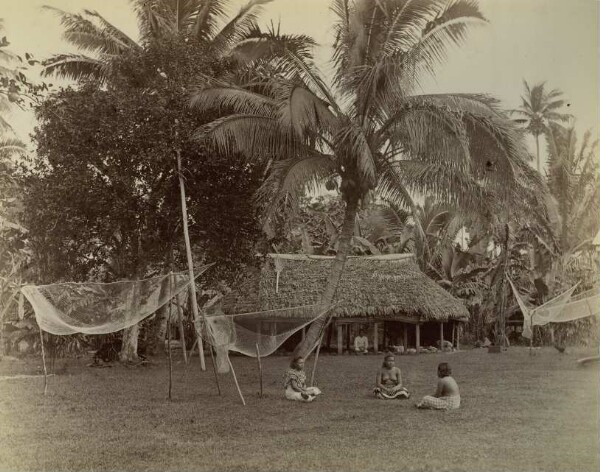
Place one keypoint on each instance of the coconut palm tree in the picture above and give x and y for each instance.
(203, 21)
(538, 110)
(368, 130)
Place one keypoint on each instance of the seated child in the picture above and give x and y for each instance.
(295, 383)
(361, 343)
(447, 396)
(389, 381)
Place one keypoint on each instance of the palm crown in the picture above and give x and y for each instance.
(539, 108)
(368, 130)
(204, 21)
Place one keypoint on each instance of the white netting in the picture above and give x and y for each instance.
(565, 307)
(101, 308)
(253, 334)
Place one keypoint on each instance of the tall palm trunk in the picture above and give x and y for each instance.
(317, 328)
(537, 153)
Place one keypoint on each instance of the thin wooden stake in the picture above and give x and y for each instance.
(44, 362)
(193, 347)
(181, 330)
(531, 339)
(235, 380)
(169, 334)
(212, 358)
(190, 261)
(260, 371)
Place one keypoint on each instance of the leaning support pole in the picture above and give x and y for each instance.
(312, 375)
(44, 362)
(235, 380)
(260, 372)
(190, 262)
(212, 356)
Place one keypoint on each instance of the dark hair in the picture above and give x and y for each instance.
(444, 369)
(294, 363)
(386, 357)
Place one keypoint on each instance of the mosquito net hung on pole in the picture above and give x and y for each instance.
(253, 334)
(102, 308)
(565, 307)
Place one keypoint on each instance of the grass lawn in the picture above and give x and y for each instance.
(519, 413)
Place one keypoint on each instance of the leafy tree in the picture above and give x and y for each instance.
(538, 110)
(13, 253)
(369, 132)
(102, 192)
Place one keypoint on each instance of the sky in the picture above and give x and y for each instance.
(555, 41)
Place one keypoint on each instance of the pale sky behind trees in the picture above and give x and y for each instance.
(537, 40)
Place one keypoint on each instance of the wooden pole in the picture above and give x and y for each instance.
(235, 380)
(339, 339)
(458, 328)
(375, 338)
(260, 372)
(531, 339)
(44, 362)
(312, 375)
(418, 336)
(190, 261)
(453, 333)
(181, 330)
(193, 347)
(212, 358)
(169, 334)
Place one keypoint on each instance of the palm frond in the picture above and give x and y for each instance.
(238, 27)
(234, 100)
(449, 27)
(82, 32)
(206, 18)
(74, 67)
(257, 45)
(306, 113)
(256, 136)
(290, 178)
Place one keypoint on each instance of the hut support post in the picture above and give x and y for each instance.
(339, 339)
(418, 337)
(405, 336)
(260, 372)
(458, 328)
(375, 338)
(453, 333)
(441, 335)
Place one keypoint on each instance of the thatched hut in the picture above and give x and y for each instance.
(386, 294)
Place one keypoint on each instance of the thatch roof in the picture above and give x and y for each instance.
(384, 287)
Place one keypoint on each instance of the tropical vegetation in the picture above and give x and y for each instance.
(369, 132)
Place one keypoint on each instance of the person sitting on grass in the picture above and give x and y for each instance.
(295, 383)
(389, 381)
(361, 343)
(447, 396)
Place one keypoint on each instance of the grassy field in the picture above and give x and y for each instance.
(519, 413)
